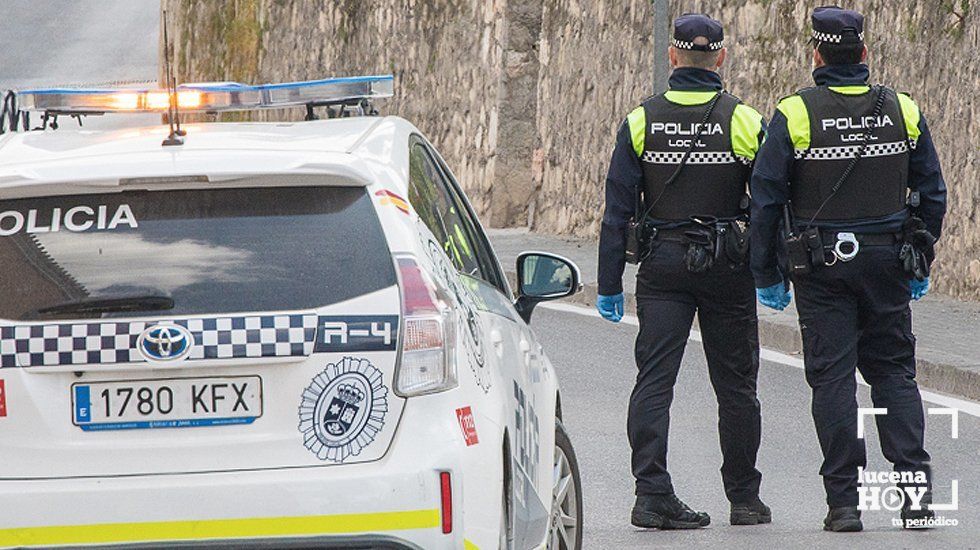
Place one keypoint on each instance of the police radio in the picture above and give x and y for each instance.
(634, 246)
(797, 249)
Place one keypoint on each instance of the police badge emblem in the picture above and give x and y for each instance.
(343, 409)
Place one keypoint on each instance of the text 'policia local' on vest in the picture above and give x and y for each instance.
(713, 182)
(827, 126)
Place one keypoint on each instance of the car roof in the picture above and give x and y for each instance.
(77, 155)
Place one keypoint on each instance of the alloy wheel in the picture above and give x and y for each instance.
(564, 505)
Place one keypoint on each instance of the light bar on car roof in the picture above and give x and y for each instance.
(209, 96)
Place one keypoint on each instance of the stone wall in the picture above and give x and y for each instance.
(596, 65)
(446, 55)
(524, 96)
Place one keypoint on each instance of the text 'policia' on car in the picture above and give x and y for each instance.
(267, 333)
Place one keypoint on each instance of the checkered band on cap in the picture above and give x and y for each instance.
(106, 343)
(675, 157)
(850, 151)
(685, 45)
(832, 38)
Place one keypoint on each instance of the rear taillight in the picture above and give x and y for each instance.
(446, 499)
(428, 338)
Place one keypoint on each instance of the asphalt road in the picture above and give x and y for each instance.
(596, 370)
(47, 43)
(56, 43)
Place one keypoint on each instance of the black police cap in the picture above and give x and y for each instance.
(837, 25)
(692, 25)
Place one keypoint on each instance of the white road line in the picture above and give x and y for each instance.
(969, 407)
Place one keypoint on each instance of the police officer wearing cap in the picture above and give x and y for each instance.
(848, 190)
(676, 202)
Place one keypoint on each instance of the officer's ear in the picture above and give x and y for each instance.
(864, 54)
(817, 58)
(721, 58)
(672, 54)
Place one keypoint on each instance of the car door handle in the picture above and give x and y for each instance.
(497, 340)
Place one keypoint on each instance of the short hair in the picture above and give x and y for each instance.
(840, 54)
(698, 58)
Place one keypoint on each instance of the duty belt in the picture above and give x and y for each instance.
(864, 239)
(675, 235)
(844, 246)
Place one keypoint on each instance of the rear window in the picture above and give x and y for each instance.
(189, 252)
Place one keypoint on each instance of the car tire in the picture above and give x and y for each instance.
(565, 527)
(506, 505)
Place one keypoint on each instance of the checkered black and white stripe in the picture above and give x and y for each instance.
(106, 343)
(850, 151)
(685, 45)
(832, 38)
(674, 157)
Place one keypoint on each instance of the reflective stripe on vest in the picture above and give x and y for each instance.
(746, 128)
(714, 181)
(637, 121)
(910, 112)
(827, 126)
(682, 97)
(798, 119)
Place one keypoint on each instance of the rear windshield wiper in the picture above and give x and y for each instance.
(110, 305)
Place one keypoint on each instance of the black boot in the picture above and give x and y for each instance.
(666, 512)
(752, 512)
(918, 519)
(844, 519)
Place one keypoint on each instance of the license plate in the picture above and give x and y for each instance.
(172, 403)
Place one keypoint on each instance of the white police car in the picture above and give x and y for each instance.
(273, 334)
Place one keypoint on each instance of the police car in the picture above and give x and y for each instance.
(285, 334)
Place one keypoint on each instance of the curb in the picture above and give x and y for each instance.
(784, 338)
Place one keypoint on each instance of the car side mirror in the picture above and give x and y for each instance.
(542, 277)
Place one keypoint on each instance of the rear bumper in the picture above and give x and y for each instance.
(390, 503)
(375, 542)
(384, 503)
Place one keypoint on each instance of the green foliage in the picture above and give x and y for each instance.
(217, 41)
(912, 32)
(353, 11)
(242, 39)
(230, 32)
(786, 10)
(957, 11)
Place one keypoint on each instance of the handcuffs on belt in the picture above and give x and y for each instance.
(845, 249)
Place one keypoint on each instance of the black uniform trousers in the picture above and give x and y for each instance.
(856, 315)
(667, 297)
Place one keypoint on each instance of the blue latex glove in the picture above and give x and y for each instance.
(611, 307)
(919, 288)
(775, 296)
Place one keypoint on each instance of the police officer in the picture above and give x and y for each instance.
(858, 168)
(680, 171)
